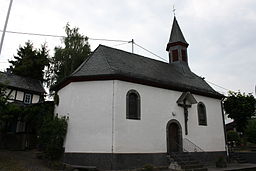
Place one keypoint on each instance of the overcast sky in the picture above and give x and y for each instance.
(221, 33)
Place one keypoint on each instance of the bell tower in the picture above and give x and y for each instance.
(177, 45)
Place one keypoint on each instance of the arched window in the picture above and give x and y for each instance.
(175, 56)
(132, 105)
(184, 55)
(202, 120)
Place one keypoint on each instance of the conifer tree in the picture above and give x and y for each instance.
(30, 62)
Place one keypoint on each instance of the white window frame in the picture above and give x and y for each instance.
(29, 99)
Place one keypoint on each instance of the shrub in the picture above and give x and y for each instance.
(221, 162)
(250, 131)
(233, 136)
(52, 135)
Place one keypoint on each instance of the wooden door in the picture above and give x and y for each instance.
(174, 143)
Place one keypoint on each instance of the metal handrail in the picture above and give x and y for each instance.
(203, 157)
(192, 147)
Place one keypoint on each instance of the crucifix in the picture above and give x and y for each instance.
(185, 107)
(186, 100)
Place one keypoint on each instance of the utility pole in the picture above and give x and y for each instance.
(132, 45)
(5, 25)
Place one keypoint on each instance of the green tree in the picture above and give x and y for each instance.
(66, 59)
(240, 107)
(30, 62)
(250, 131)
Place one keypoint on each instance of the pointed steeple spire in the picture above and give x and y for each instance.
(176, 35)
(177, 45)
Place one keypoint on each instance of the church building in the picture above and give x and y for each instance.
(127, 110)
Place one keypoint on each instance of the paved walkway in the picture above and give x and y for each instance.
(233, 166)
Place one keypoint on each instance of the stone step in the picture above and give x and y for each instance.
(237, 157)
(187, 162)
(241, 161)
(192, 166)
(200, 169)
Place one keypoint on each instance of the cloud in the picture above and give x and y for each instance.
(221, 33)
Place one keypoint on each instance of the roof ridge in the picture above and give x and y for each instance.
(82, 64)
(138, 55)
(113, 70)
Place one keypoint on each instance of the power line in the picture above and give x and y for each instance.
(166, 61)
(97, 39)
(111, 40)
(34, 34)
(120, 44)
(59, 36)
(149, 51)
(218, 85)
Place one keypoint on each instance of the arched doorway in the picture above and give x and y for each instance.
(174, 136)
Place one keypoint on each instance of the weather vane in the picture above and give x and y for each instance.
(173, 10)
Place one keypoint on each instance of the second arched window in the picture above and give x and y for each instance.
(202, 119)
(132, 105)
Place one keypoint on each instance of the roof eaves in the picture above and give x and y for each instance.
(129, 78)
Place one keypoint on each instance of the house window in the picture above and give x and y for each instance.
(184, 55)
(133, 105)
(174, 55)
(202, 120)
(27, 98)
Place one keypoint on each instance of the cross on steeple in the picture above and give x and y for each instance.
(173, 10)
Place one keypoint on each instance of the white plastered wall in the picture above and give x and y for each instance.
(148, 135)
(89, 107)
(10, 92)
(210, 137)
(20, 95)
(36, 98)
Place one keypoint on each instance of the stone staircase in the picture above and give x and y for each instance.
(183, 161)
(235, 156)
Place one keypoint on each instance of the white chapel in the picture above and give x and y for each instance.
(127, 110)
